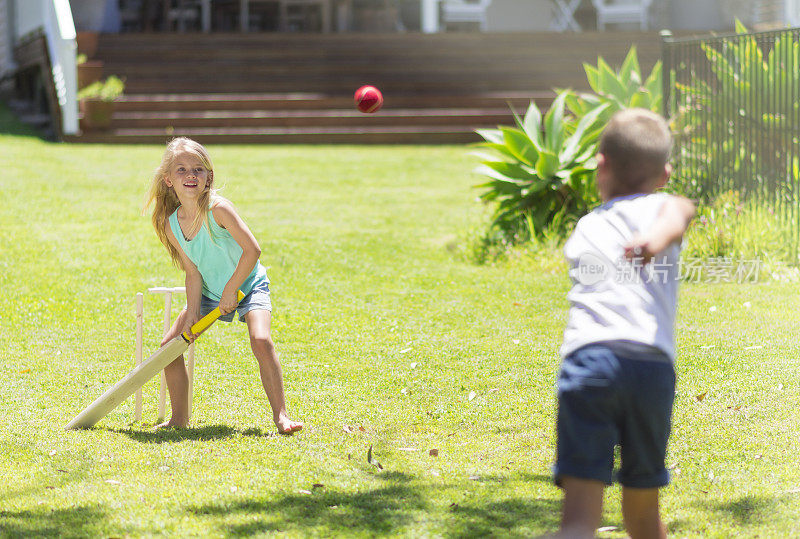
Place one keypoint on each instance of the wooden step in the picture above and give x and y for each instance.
(305, 135)
(329, 85)
(309, 118)
(298, 88)
(333, 64)
(316, 101)
(366, 44)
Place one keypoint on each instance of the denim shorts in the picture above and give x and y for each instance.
(257, 299)
(607, 398)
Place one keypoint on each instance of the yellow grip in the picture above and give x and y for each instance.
(202, 324)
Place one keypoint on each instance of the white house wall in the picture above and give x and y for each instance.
(17, 18)
(519, 15)
(28, 15)
(701, 15)
(792, 11)
(695, 15)
(777, 13)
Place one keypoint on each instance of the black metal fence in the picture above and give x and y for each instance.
(734, 102)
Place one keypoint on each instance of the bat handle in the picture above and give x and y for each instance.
(202, 324)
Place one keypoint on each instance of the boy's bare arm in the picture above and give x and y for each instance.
(672, 221)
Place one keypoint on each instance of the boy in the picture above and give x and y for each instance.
(617, 379)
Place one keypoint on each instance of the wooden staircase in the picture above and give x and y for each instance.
(303, 118)
(298, 88)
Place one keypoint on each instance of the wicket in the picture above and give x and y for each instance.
(162, 390)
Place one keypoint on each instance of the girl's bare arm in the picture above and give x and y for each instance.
(193, 282)
(226, 217)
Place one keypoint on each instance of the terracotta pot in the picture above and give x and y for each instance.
(88, 72)
(96, 114)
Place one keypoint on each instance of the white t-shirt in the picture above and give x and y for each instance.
(614, 299)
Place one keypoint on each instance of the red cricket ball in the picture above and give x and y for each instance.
(368, 99)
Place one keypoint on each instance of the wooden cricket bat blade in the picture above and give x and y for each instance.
(141, 374)
(129, 384)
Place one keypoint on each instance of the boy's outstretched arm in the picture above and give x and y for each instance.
(672, 221)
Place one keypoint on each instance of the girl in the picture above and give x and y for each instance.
(209, 241)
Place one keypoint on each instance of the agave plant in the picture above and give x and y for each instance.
(541, 172)
(618, 89)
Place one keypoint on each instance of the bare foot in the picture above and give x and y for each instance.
(172, 424)
(287, 426)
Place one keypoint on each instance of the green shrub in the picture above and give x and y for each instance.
(107, 90)
(618, 89)
(485, 244)
(541, 173)
(741, 124)
(740, 230)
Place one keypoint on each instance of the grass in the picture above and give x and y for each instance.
(389, 338)
(743, 230)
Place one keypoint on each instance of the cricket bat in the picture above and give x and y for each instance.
(140, 375)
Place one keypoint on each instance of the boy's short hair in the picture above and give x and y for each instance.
(636, 144)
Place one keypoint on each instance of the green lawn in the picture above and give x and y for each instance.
(388, 337)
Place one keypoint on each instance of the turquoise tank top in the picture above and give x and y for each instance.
(216, 257)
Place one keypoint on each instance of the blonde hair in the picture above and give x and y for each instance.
(164, 199)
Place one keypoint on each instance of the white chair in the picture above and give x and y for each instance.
(465, 11)
(564, 16)
(622, 11)
(180, 13)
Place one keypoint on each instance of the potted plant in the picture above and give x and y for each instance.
(97, 102)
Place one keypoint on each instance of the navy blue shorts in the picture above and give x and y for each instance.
(607, 399)
(258, 298)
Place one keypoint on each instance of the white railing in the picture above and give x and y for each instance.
(59, 30)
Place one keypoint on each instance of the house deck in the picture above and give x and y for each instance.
(273, 88)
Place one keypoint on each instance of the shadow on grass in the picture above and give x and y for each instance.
(522, 516)
(744, 511)
(81, 521)
(10, 125)
(325, 511)
(512, 517)
(389, 507)
(63, 478)
(207, 432)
